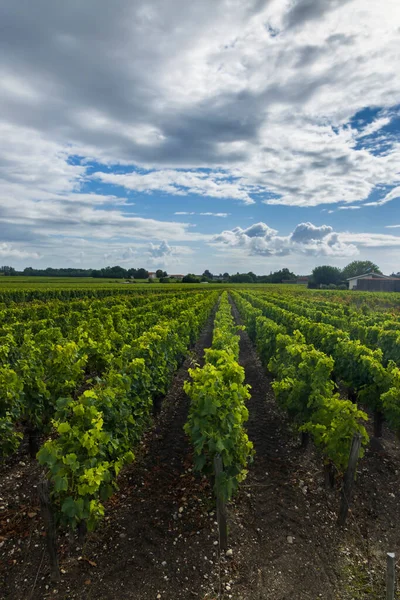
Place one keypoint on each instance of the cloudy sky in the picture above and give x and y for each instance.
(221, 134)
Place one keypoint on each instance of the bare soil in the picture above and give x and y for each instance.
(159, 539)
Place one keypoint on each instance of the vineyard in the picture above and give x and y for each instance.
(195, 441)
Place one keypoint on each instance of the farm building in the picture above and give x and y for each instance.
(178, 277)
(354, 282)
(388, 284)
(303, 279)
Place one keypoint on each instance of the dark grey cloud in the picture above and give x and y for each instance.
(310, 10)
(109, 59)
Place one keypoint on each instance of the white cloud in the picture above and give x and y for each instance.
(374, 127)
(394, 194)
(10, 252)
(129, 253)
(165, 255)
(211, 214)
(180, 183)
(371, 240)
(307, 232)
(349, 207)
(204, 214)
(392, 226)
(160, 251)
(306, 239)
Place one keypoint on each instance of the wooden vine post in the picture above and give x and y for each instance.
(390, 575)
(378, 423)
(221, 505)
(50, 527)
(348, 481)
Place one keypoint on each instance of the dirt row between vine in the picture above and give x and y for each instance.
(289, 544)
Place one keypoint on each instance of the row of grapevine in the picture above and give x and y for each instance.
(11, 296)
(53, 309)
(375, 331)
(303, 386)
(218, 410)
(40, 362)
(324, 308)
(358, 367)
(96, 432)
(365, 301)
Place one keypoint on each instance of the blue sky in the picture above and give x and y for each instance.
(220, 134)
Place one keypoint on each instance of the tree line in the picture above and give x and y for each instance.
(115, 272)
(321, 276)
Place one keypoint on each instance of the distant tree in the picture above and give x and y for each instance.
(241, 278)
(141, 274)
(359, 267)
(61, 272)
(282, 275)
(8, 270)
(326, 274)
(165, 280)
(116, 272)
(225, 275)
(208, 274)
(190, 278)
(160, 273)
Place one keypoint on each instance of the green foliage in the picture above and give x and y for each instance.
(8, 270)
(391, 398)
(359, 267)
(94, 435)
(332, 426)
(78, 461)
(190, 278)
(277, 277)
(243, 278)
(326, 275)
(218, 406)
(10, 410)
(216, 416)
(303, 387)
(329, 327)
(303, 375)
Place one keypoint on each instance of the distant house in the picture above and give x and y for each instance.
(303, 279)
(178, 277)
(152, 275)
(354, 281)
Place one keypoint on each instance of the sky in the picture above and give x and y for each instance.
(229, 135)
